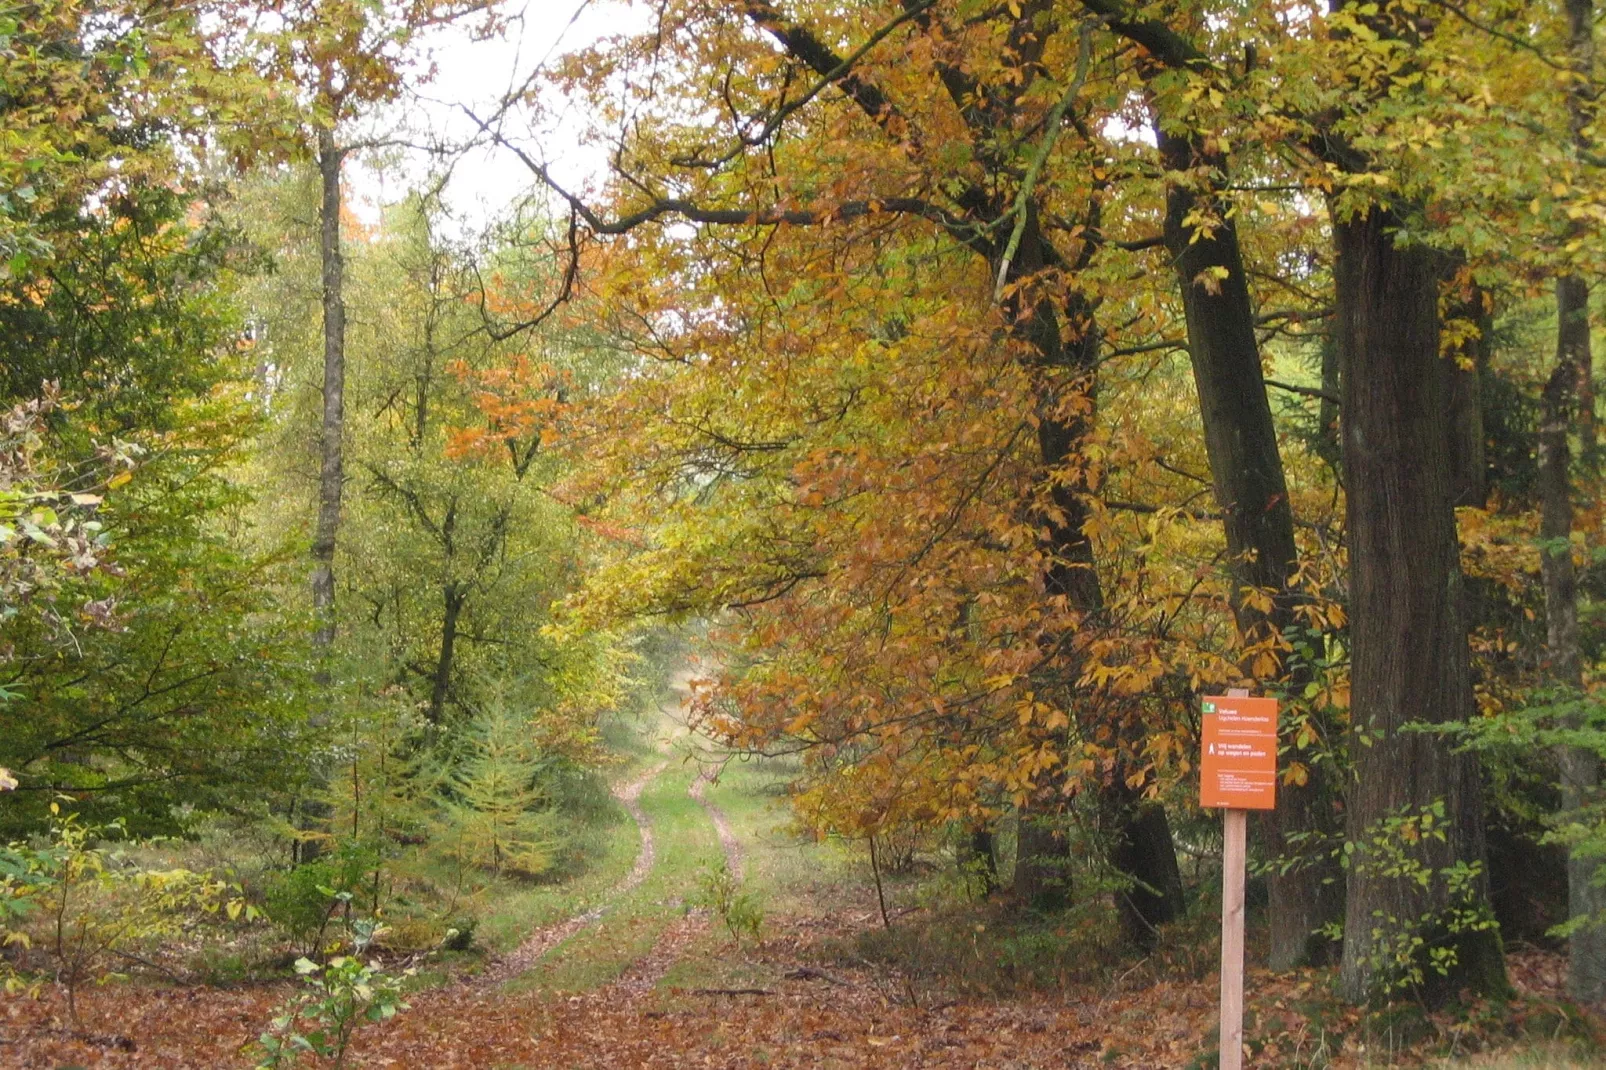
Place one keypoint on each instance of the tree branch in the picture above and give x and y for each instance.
(840, 72)
(1051, 133)
(1305, 391)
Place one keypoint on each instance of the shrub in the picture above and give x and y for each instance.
(721, 892)
(336, 998)
(304, 901)
(90, 908)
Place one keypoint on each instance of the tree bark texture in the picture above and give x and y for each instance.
(331, 477)
(1570, 402)
(1247, 472)
(1064, 343)
(1579, 767)
(1142, 851)
(1409, 656)
(1573, 346)
(1043, 854)
(979, 850)
(1469, 467)
(453, 597)
(1327, 435)
(1573, 304)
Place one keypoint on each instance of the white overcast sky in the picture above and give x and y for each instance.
(476, 75)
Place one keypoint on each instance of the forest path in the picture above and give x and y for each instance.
(668, 730)
(672, 944)
(535, 946)
(625, 945)
(728, 841)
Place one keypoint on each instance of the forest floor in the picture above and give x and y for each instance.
(644, 978)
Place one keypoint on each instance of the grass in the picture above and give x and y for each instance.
(782, 867)
(685, 842)
(508, 917)
(790, 875)
(609, 846)
(1545, 1057)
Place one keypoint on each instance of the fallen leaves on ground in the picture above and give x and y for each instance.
(826, 1015)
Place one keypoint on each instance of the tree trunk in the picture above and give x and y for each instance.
(1043, 855)
(331, 479)
(453, 598)
(1579, 767)
(1409, 654)
(1573, 306)
(1469, 479)
(1247, 470)
(1572, 333)
(1065, 346)
(978, 852)
(1327, 440)
(1572, 387)
(1142, 851)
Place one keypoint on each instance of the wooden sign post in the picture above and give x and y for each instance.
(1237, 773)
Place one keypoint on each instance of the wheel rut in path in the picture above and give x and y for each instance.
(645, 973)
(727, 838)
(522, 958)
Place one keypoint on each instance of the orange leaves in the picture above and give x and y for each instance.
(522, 401)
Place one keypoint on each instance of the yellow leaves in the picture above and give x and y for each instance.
(1258, 599)
(1203, 91)
(1211, 278)
(1266, 666)
(1296, 773)
(1001, 682)
(1202, 223)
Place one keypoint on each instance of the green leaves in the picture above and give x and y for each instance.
(336, 998)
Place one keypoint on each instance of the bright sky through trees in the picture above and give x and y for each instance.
(477, 74)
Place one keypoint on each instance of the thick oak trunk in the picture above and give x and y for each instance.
(1247, 471)
(1140, 848)
(331, 478)
(1042, 856)
(1410, 659)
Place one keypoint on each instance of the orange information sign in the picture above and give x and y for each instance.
(1238, 763)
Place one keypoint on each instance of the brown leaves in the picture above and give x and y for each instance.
(864, 1019)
